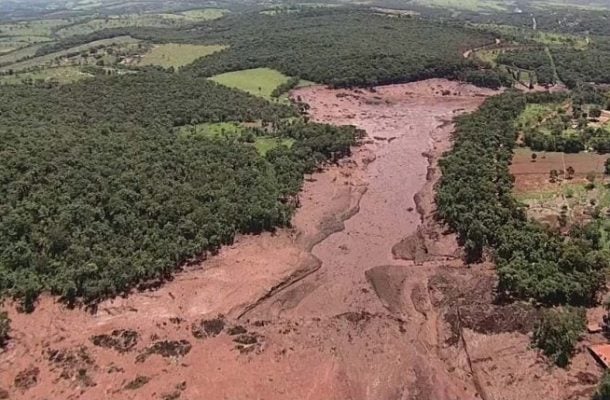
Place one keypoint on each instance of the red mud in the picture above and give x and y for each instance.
(321, 311)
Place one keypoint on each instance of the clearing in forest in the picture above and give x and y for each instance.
(178, 55)
(258, 82)
(244, 132)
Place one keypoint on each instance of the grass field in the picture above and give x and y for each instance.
(177, 55)
(258, 82)
(59, 75)
(49, 59)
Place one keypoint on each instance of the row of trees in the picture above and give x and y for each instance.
(475, 198)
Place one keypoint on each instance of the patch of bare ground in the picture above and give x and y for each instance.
(329, 309)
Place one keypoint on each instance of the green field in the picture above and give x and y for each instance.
(258, 82)
(59, 75)
(177, 55)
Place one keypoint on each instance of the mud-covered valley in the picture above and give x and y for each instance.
(364, 297)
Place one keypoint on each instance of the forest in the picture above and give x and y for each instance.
(326, 46)
(99, 193)
(475, 198)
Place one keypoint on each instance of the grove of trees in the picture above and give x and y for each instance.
(99, 192)
(475, 198)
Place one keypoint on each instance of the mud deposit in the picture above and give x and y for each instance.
(364, 298)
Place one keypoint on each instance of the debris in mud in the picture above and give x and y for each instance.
(469, 302)
(137, 382)
(208, 328)
(74, 365)
(27, 378)
(114, 368)
(236, 330)
(166, 349)
(356, 317)
(248, 342)
(121, 340)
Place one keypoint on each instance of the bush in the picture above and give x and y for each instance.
(603, 389)
(557, 333)
(5, 328)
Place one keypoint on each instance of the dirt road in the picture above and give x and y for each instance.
(325, 310)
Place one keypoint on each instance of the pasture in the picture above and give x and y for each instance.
(177, 55)
(259, 82)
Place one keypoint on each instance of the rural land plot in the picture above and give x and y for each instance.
(49, 58)
(177, 55)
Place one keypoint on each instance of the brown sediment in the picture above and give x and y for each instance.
(323, 310)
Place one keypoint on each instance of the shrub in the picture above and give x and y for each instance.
(558, 331)
(5, 328)
(603, 389)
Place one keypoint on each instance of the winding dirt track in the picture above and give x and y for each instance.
(321, 311)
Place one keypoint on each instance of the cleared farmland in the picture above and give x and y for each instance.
(177, 55)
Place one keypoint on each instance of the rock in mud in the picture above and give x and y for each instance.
(121, 340)
(388, 282)
(166, 349)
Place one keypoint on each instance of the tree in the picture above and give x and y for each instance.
(553, 176)
(570, 172)
(603, 389)
(595, 112)
(5, 328)
(607, 166)
(534, 157)
(558, 331)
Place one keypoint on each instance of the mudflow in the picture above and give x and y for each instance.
(365, 297)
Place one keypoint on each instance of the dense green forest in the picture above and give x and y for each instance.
(475, 198)
(99, 193)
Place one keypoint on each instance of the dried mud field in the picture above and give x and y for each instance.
(365, 297)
